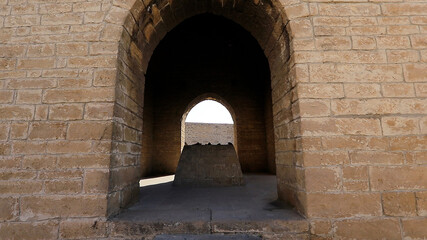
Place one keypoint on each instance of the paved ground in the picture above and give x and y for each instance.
(256, 201)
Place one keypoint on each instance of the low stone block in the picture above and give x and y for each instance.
(208, 165)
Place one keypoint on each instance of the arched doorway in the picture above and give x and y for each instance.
(145, 28)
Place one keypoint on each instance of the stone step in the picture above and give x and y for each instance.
(207, 237)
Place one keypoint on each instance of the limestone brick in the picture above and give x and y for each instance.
(29, 230)
(63, 187)
(9, 208)
(66, 112)
(96, 181)
(414, 228)
(42, 207)
(421, 198)
(377, 228)
(397, 178)
(83, 228)
(345, 205)
(399, 204)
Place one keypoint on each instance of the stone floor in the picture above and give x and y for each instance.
(165, 210)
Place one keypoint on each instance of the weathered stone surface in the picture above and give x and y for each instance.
(347, 118)
(208, 165)
(368, 229)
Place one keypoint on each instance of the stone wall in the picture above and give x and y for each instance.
(349, 99)
(205, 133)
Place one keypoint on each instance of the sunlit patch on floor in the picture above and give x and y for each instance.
(157, 180)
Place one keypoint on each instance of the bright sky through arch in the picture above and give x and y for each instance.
(209, 111)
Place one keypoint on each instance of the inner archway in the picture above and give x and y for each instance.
(207, 122)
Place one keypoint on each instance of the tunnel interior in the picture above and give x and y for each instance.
(207, 57)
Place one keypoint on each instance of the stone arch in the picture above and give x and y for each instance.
(209, 96)
(141, 26)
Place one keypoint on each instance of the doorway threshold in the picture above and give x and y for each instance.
(164, 209)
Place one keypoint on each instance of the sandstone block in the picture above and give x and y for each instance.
(313, 159)
(415, 72)
(356, 186)
(41, 50)
(400, 126)
(421, 198)
(323, 179)
(21, 21)
(364, 42)
(55, 8)
(375, 157)
(63, 187)
(343, 205)
(340, 126)
(393, 42)
(362, 90)
(61, 174)
(29, 230)
(68, 147)
(319, 227)
(419, 41)
(349, 9)
(402, 9)
(83, 228)
(47, 130)
(31, 83)
(62, 18)
(398, 178)
(36, 63)
(320, 91)
(402, 56)
(122, 177)
(20, 187)
(72, 49)
(7, 64)
(78, 95)
(41, 112)
(8, 208)
(84, 161)
(331, 21)
(29, 147)
(15, 112)
(105, 77)
(66, 112)
(355, 73)
(399, 204)
(421, 89)
(368, 229)
(39, 162)
(29, 96)
(398, 90)
(99, 111)
(4, 132)
(336, 42)
(414, 228)
(96, 181)
(94, 61)
(408, 143)
(89, 130)
(42, 207)
(358, 173)
(6, 96)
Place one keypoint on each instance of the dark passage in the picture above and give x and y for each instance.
(204, 55)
